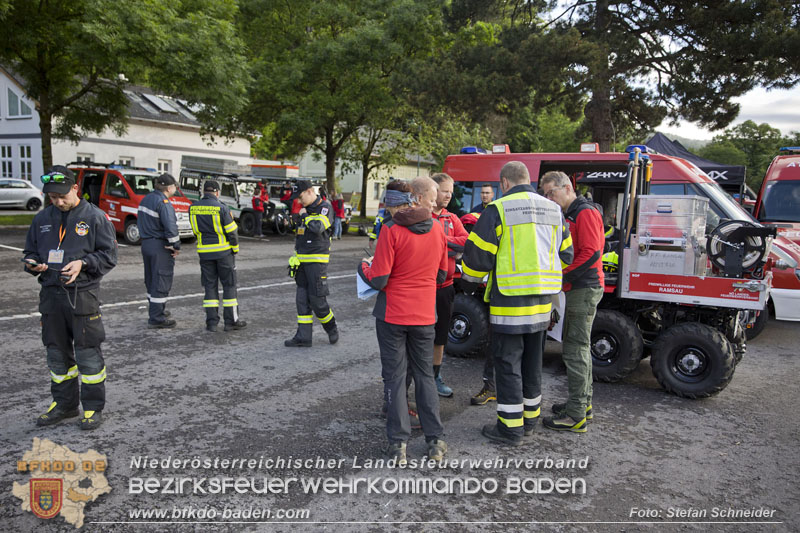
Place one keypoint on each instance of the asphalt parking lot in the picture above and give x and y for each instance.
(650, 460)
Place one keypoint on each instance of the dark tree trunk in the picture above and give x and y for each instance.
(598, 110)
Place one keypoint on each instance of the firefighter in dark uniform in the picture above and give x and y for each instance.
(71, 245)
(158, 227)
(310, 265)
(217, 243)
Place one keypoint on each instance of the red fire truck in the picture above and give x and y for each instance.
(118, 190)
(668, 300)
(778, 204)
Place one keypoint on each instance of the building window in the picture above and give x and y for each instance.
(6, 161)
(25, 162)
(84, 158)
(125, 161)
(376, 187)
(164, 165)
(16, 107)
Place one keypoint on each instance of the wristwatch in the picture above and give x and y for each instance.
(84, 264)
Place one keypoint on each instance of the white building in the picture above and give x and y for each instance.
(161, 132)
(311, 165)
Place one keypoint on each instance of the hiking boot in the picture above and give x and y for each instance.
(169, 323)
(211, 327)
(55, 414)
(443, 390)
(491, 432)
(333, 336)
(167, 314)
(397, 451)
(239, 324)
(436, 449)
(483, 397)
(295, 342)
(560, 410)
(565, 423)
(91, 419)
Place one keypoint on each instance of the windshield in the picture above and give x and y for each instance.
(781, 202)
(143, 184)
(727, 205)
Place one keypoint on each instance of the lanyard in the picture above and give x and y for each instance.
(61, 234)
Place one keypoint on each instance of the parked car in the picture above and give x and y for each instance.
(117, 190)
(20, 193)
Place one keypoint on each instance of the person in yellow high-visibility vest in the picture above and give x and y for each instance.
(521, 242)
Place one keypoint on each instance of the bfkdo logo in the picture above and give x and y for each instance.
(62, 482)
(46, 497)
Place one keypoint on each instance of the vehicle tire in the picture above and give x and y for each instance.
(247, 224)
(281, 225)
(693, 360)
(33, 204)
(468, 335)
(759, 324)
(616, 346)
(131, 234)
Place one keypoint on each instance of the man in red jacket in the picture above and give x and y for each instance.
(259, 201)
(583, 287)
(445, 292)
(410, 259)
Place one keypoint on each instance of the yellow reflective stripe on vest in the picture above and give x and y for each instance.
(527, 257)
(314, 258)
(72, 373)
(525, 310)
(95, 378)
(213, 211)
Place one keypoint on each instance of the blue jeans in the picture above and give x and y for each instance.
(337, 227)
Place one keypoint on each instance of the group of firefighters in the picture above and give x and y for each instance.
(525, 247)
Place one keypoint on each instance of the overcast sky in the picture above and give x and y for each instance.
(778, 108)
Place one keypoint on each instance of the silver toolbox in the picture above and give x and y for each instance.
(690, 261)
(672, 220)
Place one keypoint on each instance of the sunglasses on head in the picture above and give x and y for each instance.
(55, 177)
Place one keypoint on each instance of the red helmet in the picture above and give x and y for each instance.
(470, 218)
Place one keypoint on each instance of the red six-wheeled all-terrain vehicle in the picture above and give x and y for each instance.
(680, 291)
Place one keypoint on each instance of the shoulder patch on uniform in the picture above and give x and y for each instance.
(323, 211)
(82, 228)
(166, 201)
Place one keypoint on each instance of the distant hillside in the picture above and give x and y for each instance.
(690, 144)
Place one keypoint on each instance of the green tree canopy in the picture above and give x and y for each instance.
(323, 68)
(69, 55)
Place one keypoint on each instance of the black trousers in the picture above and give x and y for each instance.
(159, 268)
(518, 373)
(212, 273)
(257, 231)
(311, 296)
(408, 349)
(72, 338)
(488, 366)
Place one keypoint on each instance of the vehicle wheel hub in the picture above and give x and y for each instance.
(459, 327)
(691, 362)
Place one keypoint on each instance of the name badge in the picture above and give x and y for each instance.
(301, 231)
(55, 256)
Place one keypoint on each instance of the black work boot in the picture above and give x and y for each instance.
(56, 414)
(301, 339)
(332, 330)
(239, 324)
